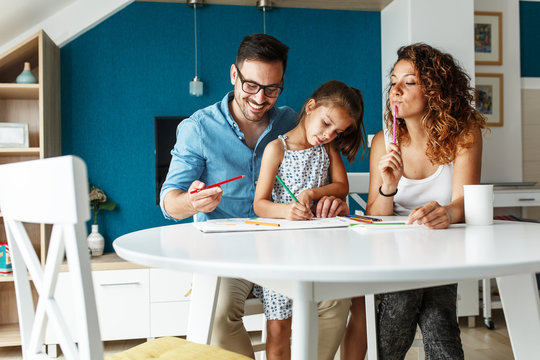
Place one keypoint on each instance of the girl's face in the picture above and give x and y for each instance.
(406, 92)
(325, 123)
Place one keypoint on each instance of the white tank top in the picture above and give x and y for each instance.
(413, 193)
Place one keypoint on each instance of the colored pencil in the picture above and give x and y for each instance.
(286, 188)
(369, 221)
(364, 217)
(252, 222)
(394, 126)
(217, 184)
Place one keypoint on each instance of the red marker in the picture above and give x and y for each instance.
(394, 125)
(216, 184)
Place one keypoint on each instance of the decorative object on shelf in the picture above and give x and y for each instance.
(196, 85)
(26, 77)
(98, 202)
(490, 98)
(488, 44)
(5, 260)
(13, 135)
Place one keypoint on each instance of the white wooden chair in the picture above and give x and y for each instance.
(55, 191)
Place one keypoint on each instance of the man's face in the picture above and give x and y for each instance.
(253, 107)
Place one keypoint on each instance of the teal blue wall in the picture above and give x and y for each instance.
(529, 13)
(138, 64)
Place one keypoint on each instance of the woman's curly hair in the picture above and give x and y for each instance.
(450, 118)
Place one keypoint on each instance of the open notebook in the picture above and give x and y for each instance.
(264, 224)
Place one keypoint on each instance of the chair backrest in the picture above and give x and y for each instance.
(50, 191)
(358, 184)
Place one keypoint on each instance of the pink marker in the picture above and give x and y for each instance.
(394, 126)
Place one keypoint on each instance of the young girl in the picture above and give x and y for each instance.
(438, 150)
(308, 160)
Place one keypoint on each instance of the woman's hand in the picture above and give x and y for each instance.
(432, 215)
(330, 206)
(391, 168)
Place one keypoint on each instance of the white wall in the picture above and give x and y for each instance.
(71, 21)
(448, 25)
(502, 160)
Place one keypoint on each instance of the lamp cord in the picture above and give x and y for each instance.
(264, 20)
(195, 31)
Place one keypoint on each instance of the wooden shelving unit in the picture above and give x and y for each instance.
(37, 105)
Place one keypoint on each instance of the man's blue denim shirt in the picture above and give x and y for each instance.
(211, 148)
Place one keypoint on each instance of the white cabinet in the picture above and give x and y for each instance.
(132, 303)
(169, 302)
(122, 298)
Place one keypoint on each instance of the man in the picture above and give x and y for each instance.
(225, 140)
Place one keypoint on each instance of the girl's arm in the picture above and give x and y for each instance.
(262, 203)
(339, 184)
(467, 169)
(385, 170)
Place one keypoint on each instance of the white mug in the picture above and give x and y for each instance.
(478, 204)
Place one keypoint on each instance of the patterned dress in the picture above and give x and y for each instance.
(299, 170)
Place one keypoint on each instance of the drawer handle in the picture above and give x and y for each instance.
(527, 199)
(122, 284)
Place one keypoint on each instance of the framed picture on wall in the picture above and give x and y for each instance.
(488, 38)
(490, 97)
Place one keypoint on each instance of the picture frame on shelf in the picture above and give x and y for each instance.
(488, 43)
(489, 100)
(13, 135)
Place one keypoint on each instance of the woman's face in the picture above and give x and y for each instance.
(406, 92)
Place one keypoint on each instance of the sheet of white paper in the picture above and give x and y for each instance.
(239, 224)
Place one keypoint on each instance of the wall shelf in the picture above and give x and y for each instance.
(37, 105)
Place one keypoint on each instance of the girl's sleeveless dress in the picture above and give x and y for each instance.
(299, 170)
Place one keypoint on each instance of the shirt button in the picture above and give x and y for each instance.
(256, 182)
(254, 154)
(240, 137)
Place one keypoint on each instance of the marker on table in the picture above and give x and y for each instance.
(216, 184)
(286, 188)
(253, 222)
(394, 126)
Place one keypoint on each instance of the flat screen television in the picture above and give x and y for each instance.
(164, 140)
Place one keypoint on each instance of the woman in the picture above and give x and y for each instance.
(438, 149)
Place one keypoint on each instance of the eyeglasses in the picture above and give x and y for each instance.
(251, 87)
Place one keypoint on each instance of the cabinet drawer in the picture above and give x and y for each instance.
(168, 285)
(122, 298)
(169, 318)
(509, 198)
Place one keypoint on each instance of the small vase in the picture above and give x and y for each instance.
(96, 242)
(26, 77)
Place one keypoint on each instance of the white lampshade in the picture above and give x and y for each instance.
(196, 87)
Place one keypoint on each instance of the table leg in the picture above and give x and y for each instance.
(519, 297)
(305, 327)
(371, 327)
(202, 307)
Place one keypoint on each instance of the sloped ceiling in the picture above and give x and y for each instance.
(63, 20)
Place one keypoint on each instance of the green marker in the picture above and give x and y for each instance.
(286, 188)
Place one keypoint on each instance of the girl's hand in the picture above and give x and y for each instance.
(432, 215)
(298, 211)
(391, 167)
(330, 206)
